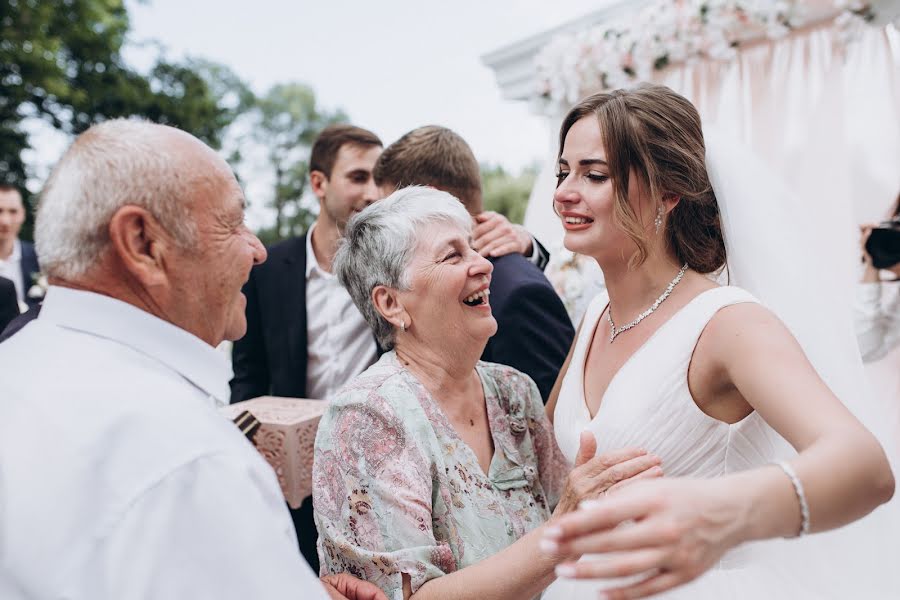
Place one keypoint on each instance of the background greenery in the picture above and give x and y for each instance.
(61, 62)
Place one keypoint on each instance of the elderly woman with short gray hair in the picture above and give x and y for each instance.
(434, 472)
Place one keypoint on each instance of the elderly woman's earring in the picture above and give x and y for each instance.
(402, 325)
(659, 217)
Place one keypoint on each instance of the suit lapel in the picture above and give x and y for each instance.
(292, 304)
(30, 267)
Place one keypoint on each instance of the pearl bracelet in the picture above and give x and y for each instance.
(801, 496)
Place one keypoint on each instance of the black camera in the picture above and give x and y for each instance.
(883, 244)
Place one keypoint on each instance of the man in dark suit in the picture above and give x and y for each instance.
(18, 261)
(9, 305)
(534, 331)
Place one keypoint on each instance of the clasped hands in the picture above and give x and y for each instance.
(669, 531)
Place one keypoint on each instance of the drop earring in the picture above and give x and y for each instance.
(659, 217)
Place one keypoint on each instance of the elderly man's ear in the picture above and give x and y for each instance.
(387, 303)
(140, 244)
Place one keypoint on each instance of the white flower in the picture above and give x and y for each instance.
(39, 289)
(665, 32)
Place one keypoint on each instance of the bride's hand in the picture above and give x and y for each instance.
(593, 476)
(675, 529)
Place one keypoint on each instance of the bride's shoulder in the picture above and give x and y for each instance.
(741, 323)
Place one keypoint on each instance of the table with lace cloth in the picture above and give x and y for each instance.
(285, 438)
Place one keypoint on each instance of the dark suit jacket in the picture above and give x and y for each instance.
(9, 303)
(533, 335)
(19, 322)
(534, 331)
(30, 267)
(271, 358)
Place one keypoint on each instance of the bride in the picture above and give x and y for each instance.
(702, 375)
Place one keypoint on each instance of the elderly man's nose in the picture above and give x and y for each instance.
(259, 251)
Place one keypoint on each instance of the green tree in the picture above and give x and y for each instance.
(288, 121)
(505, 193)
(61, 62)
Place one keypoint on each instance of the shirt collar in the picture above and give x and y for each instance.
(106, 317)
(312, 263)
(16, 255)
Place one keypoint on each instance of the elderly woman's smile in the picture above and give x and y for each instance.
(445, 266)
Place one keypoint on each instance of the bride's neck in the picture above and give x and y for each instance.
(631, 291)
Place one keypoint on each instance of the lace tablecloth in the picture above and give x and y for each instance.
(285, 438)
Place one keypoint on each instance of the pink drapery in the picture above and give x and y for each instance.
(823, 113)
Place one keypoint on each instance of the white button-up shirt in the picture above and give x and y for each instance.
(340, 344)
(11, 268)
(118, 476)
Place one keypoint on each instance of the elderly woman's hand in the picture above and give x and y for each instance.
(343, 586)
(593, 476)
(672, 530)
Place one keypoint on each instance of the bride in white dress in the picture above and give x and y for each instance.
(704, 377)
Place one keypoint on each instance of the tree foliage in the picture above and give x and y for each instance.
(288, 119)
(61, 62)
(505, 193)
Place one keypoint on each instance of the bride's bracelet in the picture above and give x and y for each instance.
(801, 496)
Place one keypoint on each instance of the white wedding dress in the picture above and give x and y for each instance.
(648, 404)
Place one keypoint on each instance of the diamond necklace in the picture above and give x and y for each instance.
(614, 331)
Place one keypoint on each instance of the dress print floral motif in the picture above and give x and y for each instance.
(396, 490)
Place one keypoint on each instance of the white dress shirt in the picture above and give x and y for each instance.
(119, 478)
(11, 268)
(340, 344)
(877, 319)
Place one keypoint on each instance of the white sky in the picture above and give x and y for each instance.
(392, 65)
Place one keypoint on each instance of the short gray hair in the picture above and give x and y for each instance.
(380, 242)
(113, 164)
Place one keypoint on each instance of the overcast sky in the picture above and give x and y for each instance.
(392, 65)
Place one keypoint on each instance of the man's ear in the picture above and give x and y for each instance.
(318, 182)
(140, 244)
(389, 306)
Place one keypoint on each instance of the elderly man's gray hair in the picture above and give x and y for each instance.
(380, 242)
(111, 165)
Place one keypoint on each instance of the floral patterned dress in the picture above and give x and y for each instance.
(396, 490)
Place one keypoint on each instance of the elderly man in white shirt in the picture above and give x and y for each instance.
(118, 477)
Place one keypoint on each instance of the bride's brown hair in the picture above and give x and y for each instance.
(657, 134)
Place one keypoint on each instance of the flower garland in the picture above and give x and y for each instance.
(666, 32)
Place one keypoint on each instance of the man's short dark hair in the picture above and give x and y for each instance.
(330, 141)
(433, 156)
(8, 187)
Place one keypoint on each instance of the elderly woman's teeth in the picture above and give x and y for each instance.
(477, 298)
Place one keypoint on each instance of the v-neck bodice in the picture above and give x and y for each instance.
(648, 403)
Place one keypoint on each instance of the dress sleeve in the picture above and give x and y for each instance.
(372, 493)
